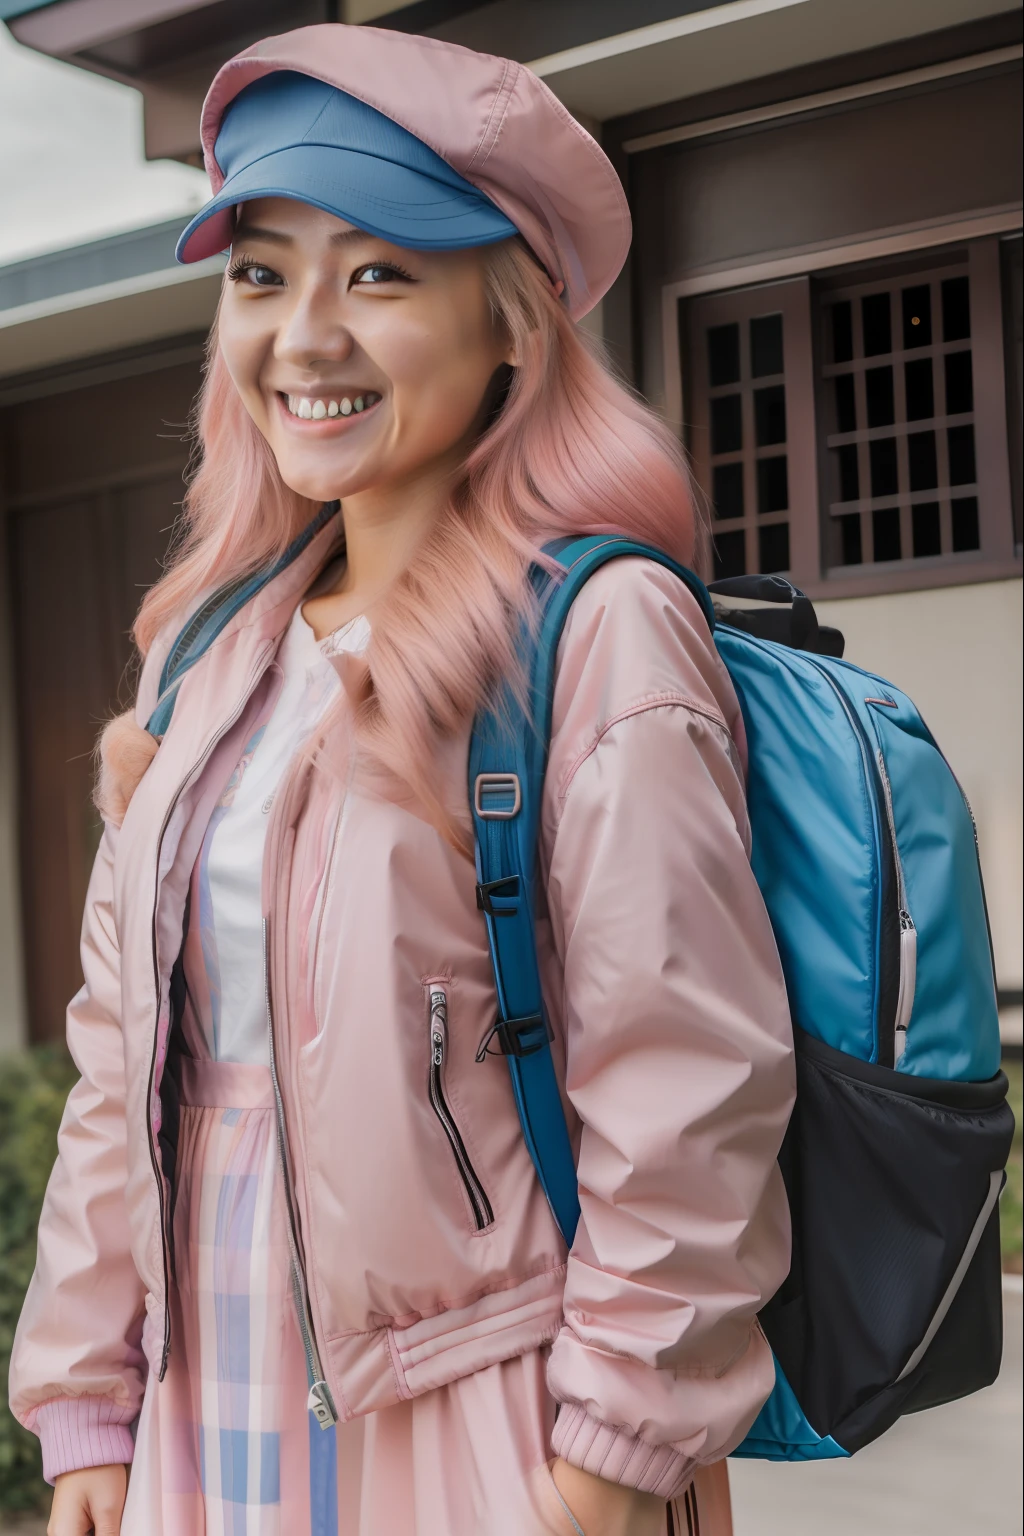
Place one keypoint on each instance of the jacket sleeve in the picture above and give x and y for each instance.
(678, 1042)
(77, 1371)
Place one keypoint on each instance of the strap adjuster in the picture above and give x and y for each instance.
(506, 889)
(516, 1037)
(497, 787)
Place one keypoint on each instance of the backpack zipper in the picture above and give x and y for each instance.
(908, 932)
(320, 1402)
(483, 1215)
(890, 1046)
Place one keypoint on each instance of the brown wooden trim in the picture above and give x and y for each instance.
(825, 74)
(995, 505)
(96, 485)
(912, 576)
(822, 101)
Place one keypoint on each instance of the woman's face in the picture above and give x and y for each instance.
(363, 364)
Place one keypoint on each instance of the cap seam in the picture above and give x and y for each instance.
(502, 96)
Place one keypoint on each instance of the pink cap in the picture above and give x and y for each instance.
(491, 119)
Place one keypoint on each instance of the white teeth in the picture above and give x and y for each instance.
(315, 410)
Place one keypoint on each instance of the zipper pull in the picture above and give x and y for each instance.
(438, 1025)
(321, 1405)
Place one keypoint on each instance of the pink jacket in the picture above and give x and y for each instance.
(664, 991)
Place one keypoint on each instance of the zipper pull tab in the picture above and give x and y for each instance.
(438, 1025)
(321, 1405)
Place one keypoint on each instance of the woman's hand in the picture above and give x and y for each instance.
(88, 1501)
(601, 1508)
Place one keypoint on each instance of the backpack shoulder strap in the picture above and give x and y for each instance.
(507, 759)
(213, 616)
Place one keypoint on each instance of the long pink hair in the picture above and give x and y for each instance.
(571, 451)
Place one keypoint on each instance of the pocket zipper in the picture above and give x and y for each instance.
(483, 1215)
(908, 932)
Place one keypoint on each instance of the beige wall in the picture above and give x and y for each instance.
(957, 652)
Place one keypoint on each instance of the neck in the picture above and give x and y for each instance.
(384, 525)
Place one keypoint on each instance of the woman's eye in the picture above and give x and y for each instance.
(380, 272)
(253, 273)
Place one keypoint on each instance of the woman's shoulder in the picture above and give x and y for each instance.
(636, 633)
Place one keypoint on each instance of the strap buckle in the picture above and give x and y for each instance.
(516, 1037)
(490, 888)
(497, 787)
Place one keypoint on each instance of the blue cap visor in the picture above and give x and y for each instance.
(388, 200)
(288, 135)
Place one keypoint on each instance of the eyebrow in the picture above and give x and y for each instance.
(278, 236)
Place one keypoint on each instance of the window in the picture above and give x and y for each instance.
(897, 405)
(850, 430)
(752, 435)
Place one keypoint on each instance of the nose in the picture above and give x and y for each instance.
(314, 332)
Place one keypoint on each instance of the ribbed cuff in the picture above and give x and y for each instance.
(77, 1432)
(618, 1455)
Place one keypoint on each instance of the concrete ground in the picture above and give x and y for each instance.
(951, 1471)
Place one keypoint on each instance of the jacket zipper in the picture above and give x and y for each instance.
(483, 1215)
(320, 1402)
(154, 1158)
(908, 932)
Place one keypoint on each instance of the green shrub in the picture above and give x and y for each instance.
(33, 1088)
(1011, 1205)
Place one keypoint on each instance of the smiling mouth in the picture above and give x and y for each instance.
(319, 408)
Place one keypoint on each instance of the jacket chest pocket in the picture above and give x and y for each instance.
(437, 1002)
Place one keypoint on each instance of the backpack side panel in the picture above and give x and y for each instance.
(816, 849)
(953, 1030)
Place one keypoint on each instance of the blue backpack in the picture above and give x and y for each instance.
(865, 852)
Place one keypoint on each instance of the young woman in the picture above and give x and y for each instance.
(294, 1265)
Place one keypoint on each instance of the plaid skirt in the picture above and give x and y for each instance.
(225, 1444)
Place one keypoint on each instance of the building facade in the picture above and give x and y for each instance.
(824, 299)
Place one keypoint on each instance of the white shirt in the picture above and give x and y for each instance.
(229, 872)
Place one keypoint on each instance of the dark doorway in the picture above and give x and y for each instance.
(92, 484)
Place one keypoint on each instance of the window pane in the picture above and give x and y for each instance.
(849, 533)
(920, 391)
(773, 548)
(772, 486)
(730, 555)
(766, 345)
(956, 309)
(883, 467)
(885, 527)
(846, 403)
(881, 405)
(727, 494)
(923, 461)
(842, 332)
(961, 455)
(727, 424)
(959, 383)
(966, 533)
(723, 355)
(874, 313)
(849, 475)
(917, 316)
(927, 537)
(770, 415)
